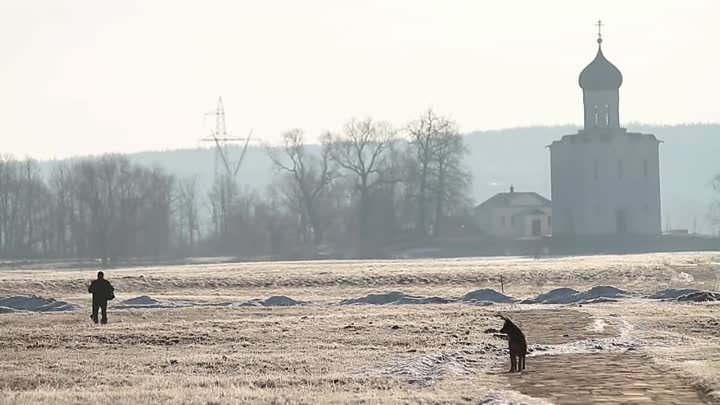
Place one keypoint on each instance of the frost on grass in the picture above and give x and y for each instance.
(35, 304)
(614, 344)
(426, 369)
(500, 397)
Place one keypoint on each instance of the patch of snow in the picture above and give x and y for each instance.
(6, 310)
(597, 326)
(142, 300)
(602, 292)
(556, 296)
(598, 301)
(146, 302)
(701, 296)
(498, 397)
(280, 301)
(615, 344)
(425, 369)
(376, 299)
(682, 277)
(36, 304)
(395, 298)
(672, 293)
(274, 301)
(422, 300)
(594, 295)
(487, 295)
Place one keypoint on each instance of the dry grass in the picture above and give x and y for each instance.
(323, 353)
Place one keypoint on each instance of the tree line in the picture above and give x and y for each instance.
(364, 188)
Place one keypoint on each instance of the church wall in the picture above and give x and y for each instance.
(597, 177)
(567, 188)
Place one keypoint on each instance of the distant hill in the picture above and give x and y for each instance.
(689, 158)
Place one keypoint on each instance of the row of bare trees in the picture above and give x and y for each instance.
(357, 191)
(104, 208)
(391, 186)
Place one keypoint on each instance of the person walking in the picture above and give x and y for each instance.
(102, 291)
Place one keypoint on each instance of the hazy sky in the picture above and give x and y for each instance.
(88, 76)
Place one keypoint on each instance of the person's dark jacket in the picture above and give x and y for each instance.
(101, 290)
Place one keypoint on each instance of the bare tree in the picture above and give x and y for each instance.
(427, 137)
(223, 197)
(188, 210)
(62, 195)
(362, 150)
(452, 179)
(309, 176)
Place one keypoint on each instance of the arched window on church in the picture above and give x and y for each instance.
(620, 169)
(596, 115)
(607, 115)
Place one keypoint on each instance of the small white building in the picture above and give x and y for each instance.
(515, 215)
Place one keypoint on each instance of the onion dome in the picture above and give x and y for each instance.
(600, 74)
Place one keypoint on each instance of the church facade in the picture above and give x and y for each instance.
(604, 179)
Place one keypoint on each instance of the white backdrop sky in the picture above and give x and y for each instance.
(88, 76)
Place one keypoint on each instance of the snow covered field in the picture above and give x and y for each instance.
(602, 329)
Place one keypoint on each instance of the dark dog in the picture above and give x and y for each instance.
(516, 343)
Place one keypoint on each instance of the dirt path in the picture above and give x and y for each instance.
(602, 378)
(626, 377)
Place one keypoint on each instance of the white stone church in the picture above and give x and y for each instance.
(604, 179)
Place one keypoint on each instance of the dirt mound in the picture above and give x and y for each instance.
(673, 293)
(594, 295)
(395, 298)
(36, 304)
(486, 295)
(701, 296)
(280, 301)
(143, 300)
(423, 300)
(274, 301)
(556, 296)
(602, 291)
(376, 299)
